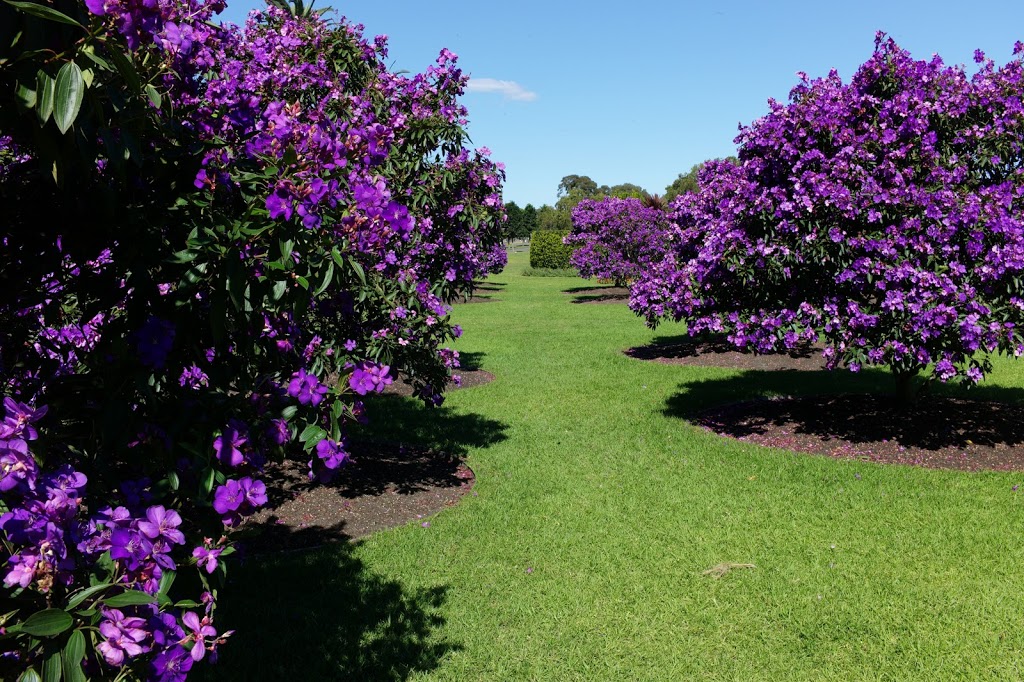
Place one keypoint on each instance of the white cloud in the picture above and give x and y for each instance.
(508, 89)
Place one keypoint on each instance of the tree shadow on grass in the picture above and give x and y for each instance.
(470, 361)
(397, 419)
(489, 286)
(856, 408)
(590, 288)
(326, 616)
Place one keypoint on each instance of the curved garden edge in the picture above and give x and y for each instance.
(938, 432)
(383, 486)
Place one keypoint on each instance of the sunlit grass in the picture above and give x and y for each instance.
(599, 512)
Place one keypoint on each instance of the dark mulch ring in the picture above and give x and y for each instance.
(478, 298)
(718, 352)
(468, 379)
(599, 295)
(938, 432)
(381, 486)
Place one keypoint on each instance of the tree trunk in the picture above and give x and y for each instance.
(906, 388)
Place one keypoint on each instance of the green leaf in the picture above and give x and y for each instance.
(44, 96)
(68, 94)
(328, 278)
(30, 675)
(71, 657)
(187, 604)
(208, 477)
(278, 289)
(86, 593)
(129, 598)
(47, 623)
(166, 580)
(312, 434)
(174, 482)
(354, 264)
(43, 12)
(154, 96)
(52, 668)
(25, 95)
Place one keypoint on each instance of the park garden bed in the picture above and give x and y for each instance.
(382, 485)
(936, 432)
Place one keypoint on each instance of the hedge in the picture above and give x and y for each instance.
(548, 251)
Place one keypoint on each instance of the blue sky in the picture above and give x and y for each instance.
(641, 91)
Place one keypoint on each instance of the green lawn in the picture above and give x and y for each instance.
(598, 508)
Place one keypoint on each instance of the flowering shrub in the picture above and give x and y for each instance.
(616, 238)
(217, 241)
(885, 215)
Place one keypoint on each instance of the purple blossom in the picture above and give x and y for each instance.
(198, 631)
(331, 453)
(162, 524)
(123, 637)
(228, 445)
(369, 377)
(306, 388)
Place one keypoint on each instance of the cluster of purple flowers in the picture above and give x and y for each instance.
(615, 238)
(55, 550)
(884, 215)
(212, 314)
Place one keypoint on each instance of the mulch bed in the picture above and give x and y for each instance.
(600, 295)
(938, 432)
(717, 352)
(470, 378)
(381, 486)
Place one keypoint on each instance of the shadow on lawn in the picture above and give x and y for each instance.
(489, 286)
(326, 616)
(857, 408)
(407, 420)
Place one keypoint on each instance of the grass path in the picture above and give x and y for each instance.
(598, 509)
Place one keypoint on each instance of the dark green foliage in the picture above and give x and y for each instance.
(548, 251)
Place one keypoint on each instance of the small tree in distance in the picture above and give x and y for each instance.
(616, 238)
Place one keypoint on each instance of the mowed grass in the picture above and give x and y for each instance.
(597, 510)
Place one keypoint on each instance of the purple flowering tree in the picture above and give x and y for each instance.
(217, 241)
(616, 238)
(884, 216)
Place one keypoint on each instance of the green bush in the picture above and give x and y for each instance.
(551, 272)
(548, 251)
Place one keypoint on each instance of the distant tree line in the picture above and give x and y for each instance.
(575, 188)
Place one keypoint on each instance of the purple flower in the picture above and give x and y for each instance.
(206, 558)
(228, 497)
(199, 631)
(23, 571)
(227, 446)
(369, 377)
(331, 453)
(253, 492)
(193, 378)
(20, 418)
(172, 665)
(124, 637)
(279, 204)
(306, 388)
(278, 431)
(131, 546)
(162, 523)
